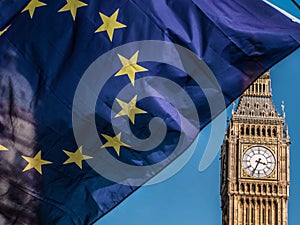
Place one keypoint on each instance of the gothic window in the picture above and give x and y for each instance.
(252, 214)
(269, 215)
(260, 88)
(253, 131)
(247, 214)
(242, 130)
(270, 189)
(263, 216)
(242, 187)
(264, 88)
(272, 113)
(266, 105)
(274, 132)
(253, 187)
(252, 113)
(258, 131)
(259, 188)
(256, 105)
(256, 87)
(247, 130)
(276, 216)
(247, 187)
(258, 214)
(263, 131)
(269, 131)
(242, 210)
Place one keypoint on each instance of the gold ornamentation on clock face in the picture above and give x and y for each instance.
(258, 162)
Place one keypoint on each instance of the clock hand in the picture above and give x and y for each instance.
(257, 162)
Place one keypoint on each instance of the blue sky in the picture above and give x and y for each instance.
(192, 197)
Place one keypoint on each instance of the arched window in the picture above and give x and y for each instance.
(270, 189)
(252, 214)
(258, 214)
(276, 216)
(247, 214)
(269, 131)
(263, 131)
(242, 187)
(247, 130)
(258, 131)
(274, 132)
(242, 130)
(269, 215)
(247, 187)
(263, 215)
(241, 207)
(253, 131)
(260, 89)
(266, 105)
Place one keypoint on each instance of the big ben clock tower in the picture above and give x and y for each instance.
(255, 161)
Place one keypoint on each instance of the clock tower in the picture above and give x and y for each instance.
(255, 161)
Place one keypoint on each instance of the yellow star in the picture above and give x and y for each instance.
(129, 109)
(130, 67)
(110, 24)
(32, 5)
(72, 6)
(4, 30)
(2, 148)
(76, 157)
(114, 142)
(35, 163)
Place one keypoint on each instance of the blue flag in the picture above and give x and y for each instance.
(97, 97)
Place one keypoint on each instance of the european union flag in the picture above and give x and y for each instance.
(97, 97)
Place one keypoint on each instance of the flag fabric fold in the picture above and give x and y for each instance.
(98, 97)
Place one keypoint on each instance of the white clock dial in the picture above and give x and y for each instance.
(258, 162)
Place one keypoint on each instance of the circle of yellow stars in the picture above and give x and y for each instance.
(129, 68)
(36, 162)
(129, 109)
(109, 23)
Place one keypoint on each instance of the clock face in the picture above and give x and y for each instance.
(258, 162)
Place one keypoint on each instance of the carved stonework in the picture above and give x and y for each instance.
(255, 161)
